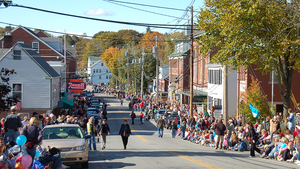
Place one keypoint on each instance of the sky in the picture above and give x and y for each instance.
(97, 9)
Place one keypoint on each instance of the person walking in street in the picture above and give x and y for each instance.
(11, 125)
(141, 117)
(220, 129)
(182, 128)
(92, 131)
(125, 132)
(104, 130)
(121, 101)
(291, 120)
(254, 138)
(160, 126)
(174, 128)
(133, 116)
(34, 136)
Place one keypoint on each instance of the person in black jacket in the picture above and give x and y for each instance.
(104, 130)
(34, 136)
(254, 138)
(219, 128)
(125, 132)
(173, 128)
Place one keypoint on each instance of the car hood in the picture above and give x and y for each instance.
(63, 143)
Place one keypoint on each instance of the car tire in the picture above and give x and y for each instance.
(85, 164)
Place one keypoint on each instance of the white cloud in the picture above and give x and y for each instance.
(99, 12)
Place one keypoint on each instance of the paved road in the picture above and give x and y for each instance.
(146, 150)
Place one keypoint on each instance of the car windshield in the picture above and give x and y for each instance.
(161, 112)
(91, 112)
(62, 133)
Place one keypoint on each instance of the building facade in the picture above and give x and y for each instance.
(98, 72)
(36, 84)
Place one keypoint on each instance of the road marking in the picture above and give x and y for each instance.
(114, 105)
(137, 134)
(193, 160)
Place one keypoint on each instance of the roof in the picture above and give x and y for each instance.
(61, 125)
(96, 63)
(95, 58)
(41, 40)
(196, 93)
(3, 52)
(41, 62)
(184, 53)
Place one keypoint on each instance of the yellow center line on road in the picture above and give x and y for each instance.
(137, 134)
(193, 160)
(132, 129)
(114, 105)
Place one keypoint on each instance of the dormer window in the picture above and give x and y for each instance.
(35, 46)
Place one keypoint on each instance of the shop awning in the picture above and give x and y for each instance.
(67, 102)
(184, 53)
(197, 93)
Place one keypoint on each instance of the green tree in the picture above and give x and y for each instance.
(6, 101)
(254, 96)
(260, 32)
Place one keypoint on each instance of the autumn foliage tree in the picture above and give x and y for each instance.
(254, 96)
(111, 57)
(260, 32)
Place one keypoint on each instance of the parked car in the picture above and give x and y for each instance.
(169, 120)
(158, 114)
(70, 140)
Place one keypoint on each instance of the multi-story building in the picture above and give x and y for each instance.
(49, 48)
(99, 73)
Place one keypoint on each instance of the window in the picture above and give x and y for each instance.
(106, 70)
(17, 91)
(215, 76)
(17, 55)
(20, 41)
(101, 63)
(35, 46)
(106, 76)
(100, 77)
(96, 70)
(99, 70)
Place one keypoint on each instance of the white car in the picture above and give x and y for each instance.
(70, 140)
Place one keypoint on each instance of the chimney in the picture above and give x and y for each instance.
(8, 31)
(8, 39)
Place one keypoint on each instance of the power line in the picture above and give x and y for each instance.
(164, 26)
(153, 6)
(143, 10)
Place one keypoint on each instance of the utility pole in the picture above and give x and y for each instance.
(65, 60)
(156, 50)
(191, 65)
(135, 73)
(142, 74)
(126, 54)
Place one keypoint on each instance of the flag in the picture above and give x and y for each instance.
(18, 105)
(254, 111)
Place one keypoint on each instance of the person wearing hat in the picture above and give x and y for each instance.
(35, 114)
(230, 128)
(11, 125)
(274, 126)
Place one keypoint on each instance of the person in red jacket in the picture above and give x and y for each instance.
(141, 117)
